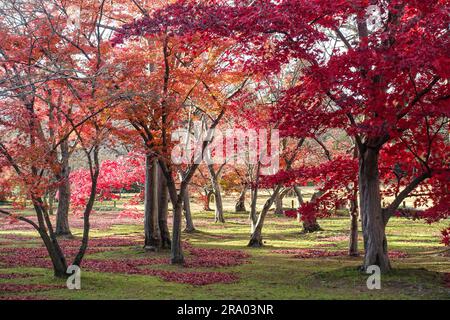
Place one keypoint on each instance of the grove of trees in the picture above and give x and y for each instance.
(358, 91)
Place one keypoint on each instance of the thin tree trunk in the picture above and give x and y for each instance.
(218, 214)
(151, 224)
(187, 212)
(95, 171)
(353, 245)
(51, 203)
(206, 205)
(375, 242)
(240, 203)
(256, 239)
(62, 213)
(163, 207)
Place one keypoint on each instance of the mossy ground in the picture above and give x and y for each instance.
(268, 275)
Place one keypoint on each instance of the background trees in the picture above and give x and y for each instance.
(364, 73)
(358, 91)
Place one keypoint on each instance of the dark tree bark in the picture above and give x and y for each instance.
(163, 207)
(375, 242)
(151, 212)
(177, 256)
(187, 213)
(240, 203)
(208, 195)
(54, 250)
(94, 167)
(256, 239)
(62, 213)
(353, 241)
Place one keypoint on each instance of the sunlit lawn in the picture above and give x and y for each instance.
(267, 275)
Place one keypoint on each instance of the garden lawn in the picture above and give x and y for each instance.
(290, 266)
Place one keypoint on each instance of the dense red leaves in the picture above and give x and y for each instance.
(196, 278)
(446, 237)
(387, 85)
(117, 175)
(215, 258)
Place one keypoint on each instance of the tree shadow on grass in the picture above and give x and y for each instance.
(413, 283)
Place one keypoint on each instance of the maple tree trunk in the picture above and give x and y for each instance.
(151, 223)
(311, 225)
(218, 213)
(240, 203)
(353, 242)
(373, 225)
(163, 208)
(256, 237)
(95, 167)
(62, 213)
(298, 193)
(278, 205)
(206, 206)
(187, 213)
(50, 241)
(56, 256)
(177, 250)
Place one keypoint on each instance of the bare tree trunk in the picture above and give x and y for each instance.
(218, 214)
(353, 245)
(62, 214)
(208, 194)
(278, 205)
(375, 242)
(51, 203)
(151, 223)
(240, 203)
(177, 250)
(163, 207)
(51, 243)
(256, 237)
(95, 171)
(187, 212)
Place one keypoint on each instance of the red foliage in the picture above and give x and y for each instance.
(196, 278)
(117, 175)
(212, 258)
(15, 275)
(13, 287)
(208, 258)
(446, 237)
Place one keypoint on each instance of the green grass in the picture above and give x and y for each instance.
(269, 275)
